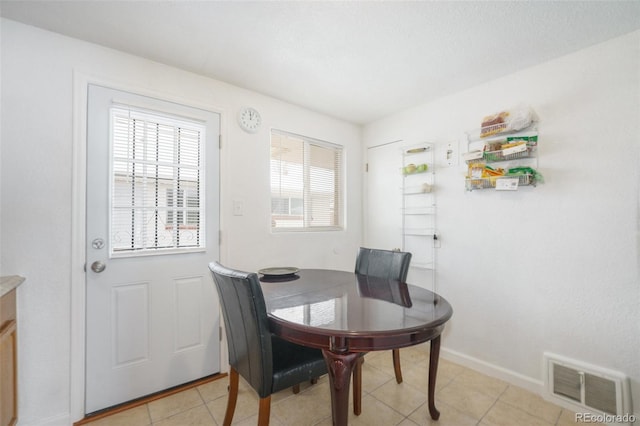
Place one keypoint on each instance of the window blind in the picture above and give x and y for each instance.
(306, 183)
(156, 182)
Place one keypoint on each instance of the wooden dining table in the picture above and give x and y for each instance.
(346, 314)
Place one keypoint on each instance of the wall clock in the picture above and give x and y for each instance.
(249, 119)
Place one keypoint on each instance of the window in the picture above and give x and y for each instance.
(306, 183)
(156, 182)
(183, 212)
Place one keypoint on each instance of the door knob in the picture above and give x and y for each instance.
(98, 266)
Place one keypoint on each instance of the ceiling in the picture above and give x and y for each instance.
(358, 61)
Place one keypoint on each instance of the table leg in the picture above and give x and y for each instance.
(433, 371)
(339, 367)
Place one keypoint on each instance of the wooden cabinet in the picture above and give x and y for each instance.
(8, 360)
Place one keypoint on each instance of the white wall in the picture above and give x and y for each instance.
(37, 140)
(552, 268)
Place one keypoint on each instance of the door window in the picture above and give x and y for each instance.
(157, 184)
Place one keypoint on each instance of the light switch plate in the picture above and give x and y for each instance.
(238, 208)
(451, 154)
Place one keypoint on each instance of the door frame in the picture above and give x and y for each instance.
(78, 274)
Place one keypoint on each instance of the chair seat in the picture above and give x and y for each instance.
(308, 361)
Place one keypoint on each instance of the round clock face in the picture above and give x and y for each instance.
(249, 119)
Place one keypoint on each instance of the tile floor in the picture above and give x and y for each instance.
(463, 396)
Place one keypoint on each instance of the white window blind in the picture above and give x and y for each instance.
(156, 183)
(306, 183)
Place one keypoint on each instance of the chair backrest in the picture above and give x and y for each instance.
(390, 290)
(392, 265)
(247, 326)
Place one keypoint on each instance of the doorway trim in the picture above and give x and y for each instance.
(77, 317)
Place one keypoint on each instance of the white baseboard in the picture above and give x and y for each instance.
(511, 377)
(516, 379)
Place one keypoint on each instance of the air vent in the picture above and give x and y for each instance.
(586, 387)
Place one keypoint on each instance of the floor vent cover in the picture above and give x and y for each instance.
(586, 386)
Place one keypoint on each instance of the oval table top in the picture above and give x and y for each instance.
(315, 307)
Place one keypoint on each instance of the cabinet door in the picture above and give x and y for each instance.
(8, 370)
(383, 215)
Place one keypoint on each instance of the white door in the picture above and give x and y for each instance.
(384, 197)
(152, 229)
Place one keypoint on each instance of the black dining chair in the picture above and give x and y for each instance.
(391, 265)
(268, 364)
